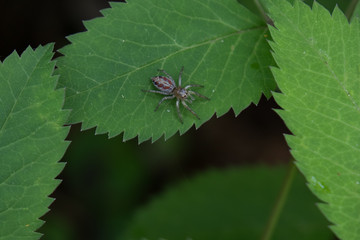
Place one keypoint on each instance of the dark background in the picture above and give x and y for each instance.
(104, 180)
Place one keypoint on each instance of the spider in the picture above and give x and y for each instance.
(167, 86)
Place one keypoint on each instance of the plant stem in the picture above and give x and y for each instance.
(280, 202)
(350, 9)
(263, 13)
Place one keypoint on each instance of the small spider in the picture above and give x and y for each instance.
(167, 86)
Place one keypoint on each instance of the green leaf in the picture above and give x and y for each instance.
(319, 76)
(221, 45)
(31, 141)
(230, 204)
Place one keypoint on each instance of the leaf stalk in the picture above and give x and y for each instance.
(280, 202)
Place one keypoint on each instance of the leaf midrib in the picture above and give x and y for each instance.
(22, 89)
(210, 41)
(336, 78)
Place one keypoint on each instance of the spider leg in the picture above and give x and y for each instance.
(188, 108)
(181, 71)
(178, 111)
(164, 98)
(155, 91)
(189, 100)
(168, 75)
(199, 95)
(193, 85)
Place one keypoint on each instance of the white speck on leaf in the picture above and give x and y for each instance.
(316, 182)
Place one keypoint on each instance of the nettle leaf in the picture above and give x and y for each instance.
(226, 205)
(221, 45)
(319, 76)
(31, 140)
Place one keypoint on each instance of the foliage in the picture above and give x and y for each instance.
(186, 212)
(31, 140)
(224, 47)
(318, 75)
(221, 44)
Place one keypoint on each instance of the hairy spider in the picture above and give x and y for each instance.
(167, 86)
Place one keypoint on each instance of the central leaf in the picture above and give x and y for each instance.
(221, 45)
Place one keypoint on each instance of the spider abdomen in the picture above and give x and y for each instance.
(163, 83)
